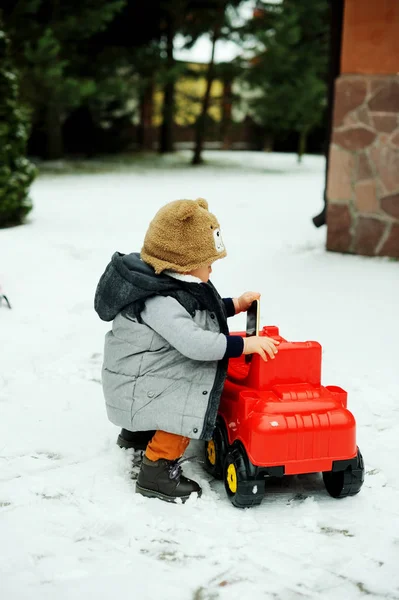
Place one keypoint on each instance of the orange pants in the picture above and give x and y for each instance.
(166, 445)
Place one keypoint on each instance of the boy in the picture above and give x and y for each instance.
(165, 360)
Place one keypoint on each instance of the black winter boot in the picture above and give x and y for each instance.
(136, 441)
(163, 479)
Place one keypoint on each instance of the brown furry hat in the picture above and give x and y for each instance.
(183, 236)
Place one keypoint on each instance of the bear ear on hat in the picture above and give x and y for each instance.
(202, 203)
(186, 209)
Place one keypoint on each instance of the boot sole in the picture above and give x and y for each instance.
(134, 473)
(153, 494)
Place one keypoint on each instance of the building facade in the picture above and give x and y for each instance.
(362, 190)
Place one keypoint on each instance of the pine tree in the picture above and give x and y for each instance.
(190, 18)
(49, 39)
(218, 18)
(216, 21)
(288, 73)
(16, 172)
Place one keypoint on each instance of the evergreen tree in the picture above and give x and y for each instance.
(216, 21)
(16, 172)
(288, 73)
(135, 35)
(191, 19)
(173, 16)
(49, 39)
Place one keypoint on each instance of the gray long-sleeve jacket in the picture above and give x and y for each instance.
(164, 363)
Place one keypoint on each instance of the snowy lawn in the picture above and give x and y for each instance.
(71, 526)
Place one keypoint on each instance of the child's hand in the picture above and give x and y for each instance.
(242, 303)
(260, 345)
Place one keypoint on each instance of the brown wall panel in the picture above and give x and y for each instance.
(371, 37)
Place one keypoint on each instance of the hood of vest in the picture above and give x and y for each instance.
(128, 282)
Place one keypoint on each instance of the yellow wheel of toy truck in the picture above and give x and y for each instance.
(243, 485)
(215, 450)
(211, 452)
(231, 478)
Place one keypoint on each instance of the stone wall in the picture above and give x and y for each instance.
(363, 171)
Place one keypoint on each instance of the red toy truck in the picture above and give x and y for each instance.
(275, 418)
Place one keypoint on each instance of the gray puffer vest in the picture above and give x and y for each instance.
(147, 383)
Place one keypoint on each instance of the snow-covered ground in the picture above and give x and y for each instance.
(71, 526)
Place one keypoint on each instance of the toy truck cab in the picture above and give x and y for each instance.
(275, 419)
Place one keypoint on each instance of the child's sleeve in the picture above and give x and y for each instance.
(170, 320)
(229, 306)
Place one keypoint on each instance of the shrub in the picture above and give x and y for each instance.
(16, 171)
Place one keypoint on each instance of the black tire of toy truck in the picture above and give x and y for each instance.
(216, 450)
(242, 490)
(340, 484)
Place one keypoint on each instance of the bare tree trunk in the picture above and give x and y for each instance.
(168, 109)
(268, 142)
(303, 135)
(226, 116)
(54, 141)
(145, 133)
(53, 125)
(201, 121)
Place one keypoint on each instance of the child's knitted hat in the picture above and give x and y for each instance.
(183, 236)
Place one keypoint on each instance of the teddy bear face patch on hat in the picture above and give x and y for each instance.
(183, 236)
(218, 240)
